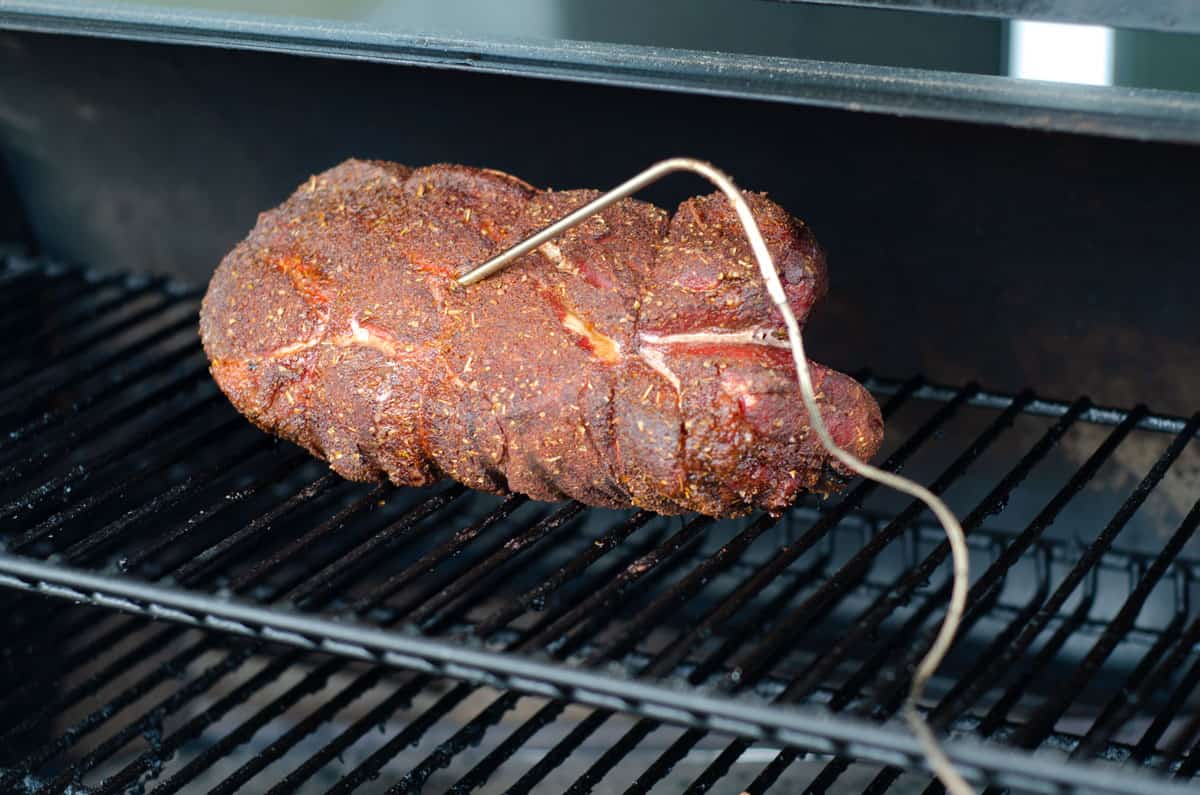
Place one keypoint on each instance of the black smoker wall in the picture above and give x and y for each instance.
(14, 232)
(961, 251)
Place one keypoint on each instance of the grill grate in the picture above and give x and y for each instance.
(505, 643)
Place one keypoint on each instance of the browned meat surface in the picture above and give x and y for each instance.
(636, 360)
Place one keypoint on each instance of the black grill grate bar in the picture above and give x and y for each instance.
(627, 576)
(97, 462)
(400, 699)
(415, 779)
(407, 736)
(483, 770)
(426, 615)
(99, 716)
(720, 766)
(889, 704)
(324, 713)
(1040, 407)
(995, 716)
(91, 651)
(667, 659)
(828, 776)
(39, 634)
(881, 686)
(1002, 639)
(1191, 761)
(428, 562)
(149, 647)
(679, 592)
(737, 636)
(559, 753)
(626, 641)
(30, 432)
(886, 704)
(71, 332)
(130, 695)
(1149, 676)
(675, 753)
(413, 733)
(176, 701)
(147, 759)
(68, 739)
(1045, 718)
(1176, 701)
(1085, 565)
(785, 557)
(54, 446)
(890, 692)
(755, 661)
(171, 743)
(102, 713)
(334, 523)
(634, 736)
(502, 615)
(883, 781)
(202, 563)
(994, 719)
(151, 720)
(324, 581)
(685, 589)
(490, 716)
(608, 599)
(612, 756)
(1177, 747)
(313, 682)
(163, 500)
(31, 395)
(61, 292)
(578, 623)
(640, 730)
(989, 581)
(173, 449)
(615, 592)
(108, 327)
(274, 475)
(990, 504)
(1012, 552)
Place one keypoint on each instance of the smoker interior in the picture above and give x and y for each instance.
(122, 458)
(1023, 260)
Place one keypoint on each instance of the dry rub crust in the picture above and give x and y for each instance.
(634, 361)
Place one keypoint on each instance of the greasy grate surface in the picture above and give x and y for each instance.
(120, 457)
(310, 722)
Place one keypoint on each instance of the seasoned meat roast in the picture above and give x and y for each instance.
(634, 361)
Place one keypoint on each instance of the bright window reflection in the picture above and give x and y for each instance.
(1066, 53)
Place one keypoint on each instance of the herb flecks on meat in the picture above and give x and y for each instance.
(634, 361)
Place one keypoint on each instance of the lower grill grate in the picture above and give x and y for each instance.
(501, 644)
